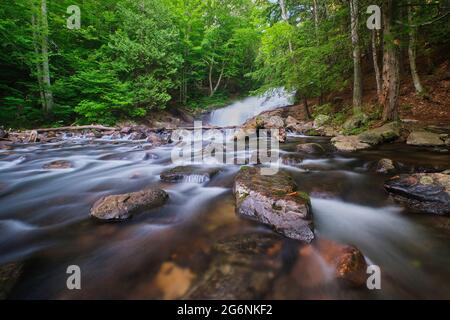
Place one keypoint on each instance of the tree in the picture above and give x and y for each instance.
(391, 66)
(357, 73)
(412, 50)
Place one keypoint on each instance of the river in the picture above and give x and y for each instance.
(45, 222)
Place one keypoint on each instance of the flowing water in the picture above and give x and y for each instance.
(45, 223)
(240, 111)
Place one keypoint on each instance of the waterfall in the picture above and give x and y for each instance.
(240, 111)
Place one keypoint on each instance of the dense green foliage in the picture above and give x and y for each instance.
(133, 56)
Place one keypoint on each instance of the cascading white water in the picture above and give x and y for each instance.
(240, 111)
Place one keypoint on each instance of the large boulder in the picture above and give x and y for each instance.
(243, 268)
(424, 192)
(274, 201)
(349, 143)
(196, 174)
(387, 133)
(426, 138)
(123, 206)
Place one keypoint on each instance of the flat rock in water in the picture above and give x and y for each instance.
(58, 164)
(196, 174)
(123, 206)
(425, 192)
(349, 143)
(244, 268)
(425, 138)
(385, 166)
(274, 201)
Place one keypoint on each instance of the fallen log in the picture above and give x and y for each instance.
(76, 128)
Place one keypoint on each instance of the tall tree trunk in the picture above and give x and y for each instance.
(391, 68)
(306, 107)
(213, 88)
(375, 62)
(38, 65)
(285, 17)
(412, 51)
(357, 79)
(45, 58)
(316, 14)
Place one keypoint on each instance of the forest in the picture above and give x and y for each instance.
(131, 58)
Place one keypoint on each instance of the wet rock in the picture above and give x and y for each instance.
(156, 139)
(424, 192)
(349, 143)
(425, 138)
(346, 262)
(291, 122)
(244, 268)
(123, 206)
(6, 146)
(3, 134)
(274, 201)
(291, 159)
(385, 166)
(274, 122)
(446, 171)
(9, 275)
(126, 130)
(173, 281)
(310, 148)
(264, 121)
(387, 133)
(196, 174)
(58, 164)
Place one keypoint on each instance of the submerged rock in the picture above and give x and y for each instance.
(425, 138)
(274, 201)
(244, 268)
(9, 275)
(424, 192)
(123, 206)
(385, 166)
(349, 143)
(58, 164)
(345, 263)
(196, 174)
(310, 148)
(387, 133)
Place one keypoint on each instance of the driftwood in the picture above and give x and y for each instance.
(76, 128)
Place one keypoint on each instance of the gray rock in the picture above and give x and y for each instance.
(424, 192)
(387, 133)
(385, 166)
(310, 148)
(425, 138)
(349, 143)
(274, 201)
(123, 206)
(196, 174)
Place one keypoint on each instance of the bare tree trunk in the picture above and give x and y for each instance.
(306, 107)
(412, 52)
(357, 80)
(36, 44)
(391, 68)
(211, 93)
(316, 14)
(375, 63)
(45, 58)
(212, 88)
(285, 17)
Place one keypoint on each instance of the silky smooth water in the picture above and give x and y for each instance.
(45, 223)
